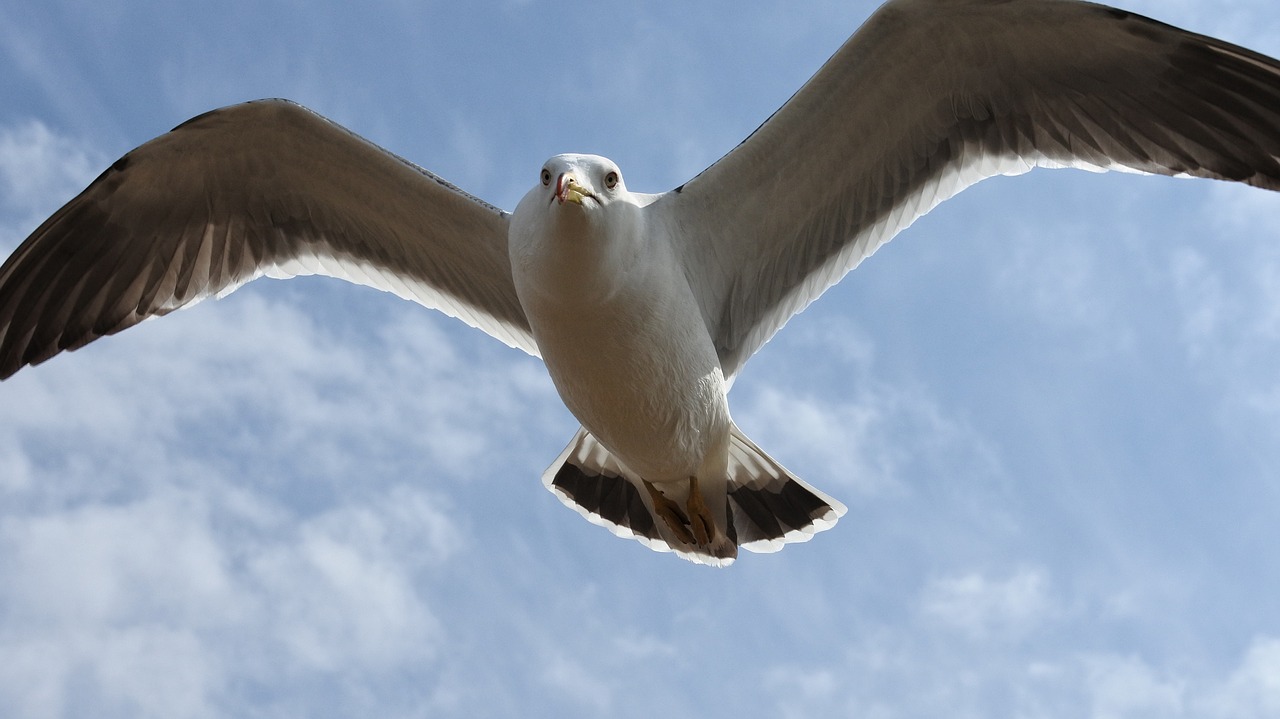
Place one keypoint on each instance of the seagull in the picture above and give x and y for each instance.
(645, 307)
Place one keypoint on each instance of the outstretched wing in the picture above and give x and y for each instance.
(263, 188)
(931, 96)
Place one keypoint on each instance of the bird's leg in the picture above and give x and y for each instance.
(670, 513)
(699, 517)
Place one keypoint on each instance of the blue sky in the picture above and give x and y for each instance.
(1052, 407)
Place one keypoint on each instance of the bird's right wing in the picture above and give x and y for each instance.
(263, 188)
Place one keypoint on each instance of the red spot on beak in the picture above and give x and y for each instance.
(568, 189)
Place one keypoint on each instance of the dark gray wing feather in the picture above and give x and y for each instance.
(263, 188)
(931, 96)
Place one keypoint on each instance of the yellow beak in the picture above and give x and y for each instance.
(568, 190)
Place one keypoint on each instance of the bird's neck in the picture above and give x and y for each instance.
(576, 263)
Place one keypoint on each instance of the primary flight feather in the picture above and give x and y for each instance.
(646, 306)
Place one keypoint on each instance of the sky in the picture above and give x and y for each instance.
(1051, 406)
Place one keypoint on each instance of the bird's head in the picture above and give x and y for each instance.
(582, 180)
(579, 221)
(579, 201)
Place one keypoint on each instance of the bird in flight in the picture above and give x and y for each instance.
(645, 307)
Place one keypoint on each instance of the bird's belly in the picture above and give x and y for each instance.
(651, 392)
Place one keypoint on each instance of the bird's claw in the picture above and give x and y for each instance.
(691, 524)
(699, 518)
(670, 513)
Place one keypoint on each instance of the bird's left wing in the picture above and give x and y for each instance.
(263, 188)
(931, 96)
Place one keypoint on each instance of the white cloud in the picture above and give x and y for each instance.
(983, 607)
(334, 603)
(16, 472)
(39, 170)
(856, 429)
(1252, 691)
(843, 438)
(633, 645)
(156, 605)
(1228, 297)
(1200, 289)
(891, 671)
(142, 528)
(804, 691)
(1229, 287)
(107, 604)
(577, 682)
(1058, 280)
(142, 671)
(1127, 688)
(108, 564)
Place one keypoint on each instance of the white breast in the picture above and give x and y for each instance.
(621, 334)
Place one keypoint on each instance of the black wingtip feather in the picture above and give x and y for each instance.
(609, 496)
(773, 514)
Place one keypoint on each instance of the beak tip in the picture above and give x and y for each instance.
(568, 190)
(562, 188)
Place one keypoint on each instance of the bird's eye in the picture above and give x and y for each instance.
(611, 180)
(546, 176)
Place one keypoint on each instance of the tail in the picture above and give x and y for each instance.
(759, 505)
(772, 507)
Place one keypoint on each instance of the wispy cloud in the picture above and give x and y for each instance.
(981, 606)
(39, 169)
(1253, 689)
